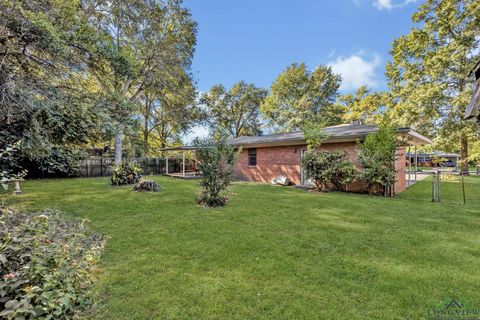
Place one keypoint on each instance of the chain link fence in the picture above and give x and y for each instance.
(444, 187)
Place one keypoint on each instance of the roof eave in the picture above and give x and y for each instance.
(413, 138)
(410, 137)
(180, 148)
(295, 142)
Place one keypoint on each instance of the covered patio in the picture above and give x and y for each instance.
(409, 139)
(186, 171)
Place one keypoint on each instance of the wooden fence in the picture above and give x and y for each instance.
(97, 167)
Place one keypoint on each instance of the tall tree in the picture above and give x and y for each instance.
(168, 112)
(147, 40)
(429, 71)
(237, 110)
(47, 104)
(365, 107)
(299, 95)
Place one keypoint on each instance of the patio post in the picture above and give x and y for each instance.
(416, 163)
(409, 163)
(183, 162)
(166, 164)
(195, 162)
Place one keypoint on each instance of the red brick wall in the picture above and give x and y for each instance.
(285, 160)
(271, 162)
(275, 161)
(401, 166)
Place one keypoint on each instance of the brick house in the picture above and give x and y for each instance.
(265, 157)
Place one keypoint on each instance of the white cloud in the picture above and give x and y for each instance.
(356, 71)
(383, 4)
(390, 4)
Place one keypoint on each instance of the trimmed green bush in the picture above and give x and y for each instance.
(47, 264)
(126, 173)
(328, 170)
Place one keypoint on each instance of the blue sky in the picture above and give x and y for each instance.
(255, 40)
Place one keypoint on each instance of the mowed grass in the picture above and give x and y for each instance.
(451, 190)
(272, 252)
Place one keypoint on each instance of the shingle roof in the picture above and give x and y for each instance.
(343, 132)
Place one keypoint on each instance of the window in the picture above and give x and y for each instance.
(252, 157)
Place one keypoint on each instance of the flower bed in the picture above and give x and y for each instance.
(48, 264)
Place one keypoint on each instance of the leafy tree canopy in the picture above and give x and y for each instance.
(73, 72)
(168, 112)
(149, 45)
(298, 95)
(430, 67)
(365, 107)
(237, 109)
(47, 104)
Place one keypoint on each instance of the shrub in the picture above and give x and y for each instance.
(146, 185)
(216, 159)
(47, 265)
(377, 157)
(126, 173)
(59, 162)
(328, 169)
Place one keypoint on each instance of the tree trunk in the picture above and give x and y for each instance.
(464, 155)
(119, 143)
(145, 141)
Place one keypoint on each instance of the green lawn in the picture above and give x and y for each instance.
(272, 252)
(451, 190)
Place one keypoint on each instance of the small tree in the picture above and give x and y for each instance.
(216, 160)
(326, 169)
(377, 157)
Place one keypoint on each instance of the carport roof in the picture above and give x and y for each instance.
(179, 148)
(436, 153)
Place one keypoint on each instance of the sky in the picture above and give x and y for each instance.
(255, 40)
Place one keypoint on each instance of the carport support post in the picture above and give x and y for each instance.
(416, 163)
(183, 162)
(166, 164)
(195, 162)
(409, 164)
